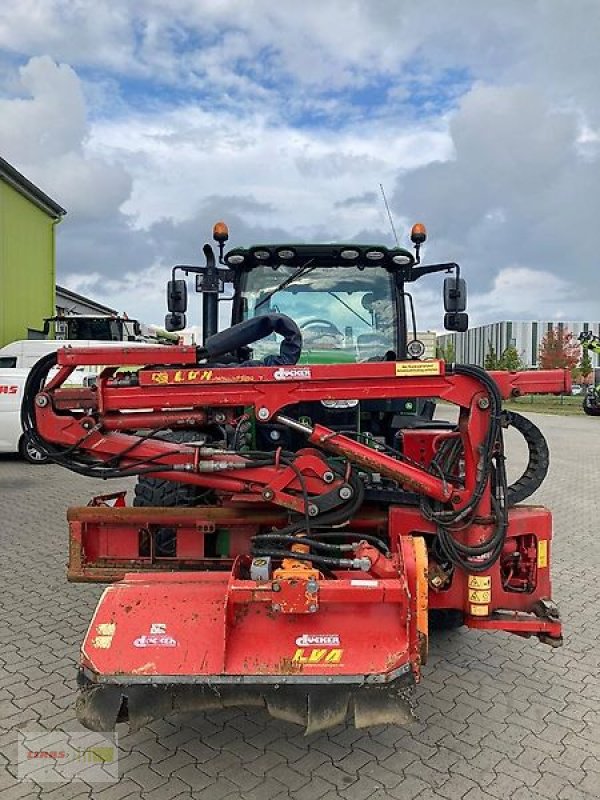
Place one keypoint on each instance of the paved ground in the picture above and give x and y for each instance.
(498, 716)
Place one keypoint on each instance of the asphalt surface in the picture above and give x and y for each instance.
(498, 716)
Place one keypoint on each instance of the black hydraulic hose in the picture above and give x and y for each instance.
(277, 539)
(326, 561)
(365, 537)
(33, 385)
(252, 330)
(477, 558)
(538, 460)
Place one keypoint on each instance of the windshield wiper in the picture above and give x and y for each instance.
(349, 307)
(305, 269)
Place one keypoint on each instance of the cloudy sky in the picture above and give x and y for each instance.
(148, 121)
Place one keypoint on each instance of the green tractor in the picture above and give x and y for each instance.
(590, 343)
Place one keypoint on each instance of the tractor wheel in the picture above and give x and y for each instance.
(591, 411)
(445, 619)
(155, 492)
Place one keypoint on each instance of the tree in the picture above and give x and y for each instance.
(510, 360)
(559, 350)
(491, 358)
(585, 365)
(446, 352)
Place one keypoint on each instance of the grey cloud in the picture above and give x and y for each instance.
(517, 191)
(364, 199)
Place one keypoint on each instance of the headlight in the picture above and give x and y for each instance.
(374, 255)
(285, 255)
(415, 349)
(349, 255)
(236, 258)
(339, 403)
(262, 255)
(402, 260)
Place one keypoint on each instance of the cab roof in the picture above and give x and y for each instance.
(325, 255)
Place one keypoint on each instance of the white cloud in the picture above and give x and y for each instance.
(180, 157)
(44, 134)
(148, 121)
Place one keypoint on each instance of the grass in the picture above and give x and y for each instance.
(565, 405)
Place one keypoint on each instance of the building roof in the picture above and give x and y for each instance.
(29, 190)
(67, 294)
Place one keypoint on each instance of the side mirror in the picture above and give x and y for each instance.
(177, 298)
(455, 294)
(456, 321)
(175, 322)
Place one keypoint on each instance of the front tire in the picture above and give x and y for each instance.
(154, 492)
(29, 452)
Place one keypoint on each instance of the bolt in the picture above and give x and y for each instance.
(276, 607)
(263, 413)
(455, 499)
(268, 494)
(312, 609)
(483, 403)
(276, 587)
(41, 400)
(312, 510)
(328, 477)
(345, 493)
(220, 416)
(312, 587)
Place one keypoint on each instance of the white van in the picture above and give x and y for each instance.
(16, 359)
(27, 352)
(12, 440)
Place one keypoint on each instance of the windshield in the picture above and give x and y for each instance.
(345, 314)
(100, 328)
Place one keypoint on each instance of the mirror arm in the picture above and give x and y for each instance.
(415, 273)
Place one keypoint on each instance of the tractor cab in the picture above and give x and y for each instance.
(351, 304)
(350, 300)
(346, 300)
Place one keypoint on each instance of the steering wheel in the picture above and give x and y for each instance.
(332, 330)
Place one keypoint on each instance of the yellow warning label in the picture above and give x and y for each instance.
(106, 628)
(405, 368)
(480, 595)
(542, 553)
(102, 642)
(479, 611)
(480, 582)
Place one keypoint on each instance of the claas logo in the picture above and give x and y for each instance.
(6, 389)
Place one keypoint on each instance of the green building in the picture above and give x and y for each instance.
(28, 219)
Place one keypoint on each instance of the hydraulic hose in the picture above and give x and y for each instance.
(480, 557)
(538, 461)
(252, 330)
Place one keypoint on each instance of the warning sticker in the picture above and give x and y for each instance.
(105, 632)
(479, 611)
(542, 553)
(407, 368)
(480, 582)
(480, 595)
